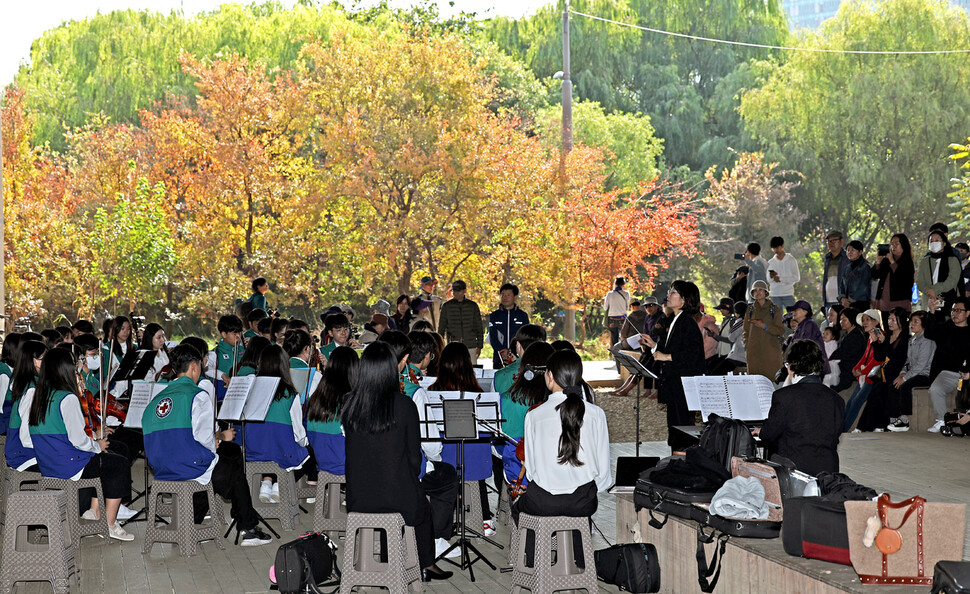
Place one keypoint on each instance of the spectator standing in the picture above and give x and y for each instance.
(401, 320)
(461, 321)
(856, 283)
(504, 323)
(616, 303)
(895, 272)
(782, 274)
(739, 284)
(732, 329)
(762, 329)
(757, 268)
(964, 252)
(258, 298)
(835, 265)
(953, 350)
(654, 315)
(427, 305)
(939, 274)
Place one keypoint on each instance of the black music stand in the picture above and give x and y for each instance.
(636, 369)
(461, 425)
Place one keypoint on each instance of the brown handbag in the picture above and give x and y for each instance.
(913, 537)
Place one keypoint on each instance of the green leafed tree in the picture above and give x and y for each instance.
(133, 247)
(869, 132)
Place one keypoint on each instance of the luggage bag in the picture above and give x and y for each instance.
(951, 577)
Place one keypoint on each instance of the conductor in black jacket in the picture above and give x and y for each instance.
(384, 452)
(679, 353)
(805, 420)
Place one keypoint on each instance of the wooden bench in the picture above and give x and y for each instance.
(923, 416)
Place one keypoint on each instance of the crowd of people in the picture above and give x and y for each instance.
(343, 402)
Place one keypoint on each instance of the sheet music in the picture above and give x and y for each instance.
(302, 380)
(142, 393)
(460, 418)
(260, 398)
(714, 397)
(235, 398)
(433, 411)
(426, 382)
(748, 406)
(690, 393)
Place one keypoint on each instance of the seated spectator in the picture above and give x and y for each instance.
(953, 351)
(732, 330)
(807, 328)
(893, 349)
(806, 418)
(830, 342)
(868, 366)
(374, 328)
(914, 374)
(851, 347)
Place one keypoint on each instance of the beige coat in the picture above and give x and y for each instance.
(762, 348)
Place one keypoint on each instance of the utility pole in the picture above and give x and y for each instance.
(3, 243)
(567, 139)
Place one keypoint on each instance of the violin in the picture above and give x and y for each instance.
(92, 423)
(517, 488)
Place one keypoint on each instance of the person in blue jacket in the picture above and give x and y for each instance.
(181, 445)
(503, 324)
(323, 412)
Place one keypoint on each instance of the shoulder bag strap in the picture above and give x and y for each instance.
(705, 571)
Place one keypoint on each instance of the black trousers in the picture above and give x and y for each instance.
(536, 501)
(901, 401)
(678, 414)
(114, 472)
(441, 487)
(229, 481)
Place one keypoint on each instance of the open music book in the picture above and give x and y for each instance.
(744, 397)
(142, 392)
(248, 398)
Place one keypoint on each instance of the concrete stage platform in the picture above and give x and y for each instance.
(904, 464)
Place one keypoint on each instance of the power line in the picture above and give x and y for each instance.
(774, 47)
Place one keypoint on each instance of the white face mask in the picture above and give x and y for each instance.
(94, 363)
(936, 247)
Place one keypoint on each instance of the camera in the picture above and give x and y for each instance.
(739, 256)
(136, 319)
(883, 249)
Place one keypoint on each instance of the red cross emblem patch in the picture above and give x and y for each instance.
(163, 408)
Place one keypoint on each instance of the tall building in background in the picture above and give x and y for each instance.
(809, 14)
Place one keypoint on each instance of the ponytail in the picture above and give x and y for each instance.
(567, 371)
(571, 413)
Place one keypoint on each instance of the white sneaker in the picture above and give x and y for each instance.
(89, 515)
(124, 513)
(116, 532)
(274, 494)
(489, 527)
(311, 499)
(936, 426)
(857, 430)
(441, 545)
(265, 489)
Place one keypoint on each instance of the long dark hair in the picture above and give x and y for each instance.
(455, 371)
(275, 363)
(250, 357)
(566, 368)
(369, 407)
(116, 324)
(339, 378)
(24, 371)
(57, 372)
(146, 338)
(907, 248)
(690, 294)
(534, 391)
(11, 349)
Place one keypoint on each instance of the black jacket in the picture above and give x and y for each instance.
(382, 468)
(900, 281)
(851, 348)
(685, 344)
(952, 345)
(805, 421)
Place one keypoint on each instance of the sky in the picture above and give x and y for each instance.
(25, 21)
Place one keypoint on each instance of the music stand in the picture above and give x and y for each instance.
(251, 410)
(141, 395)
(460, 425)
(638, 370)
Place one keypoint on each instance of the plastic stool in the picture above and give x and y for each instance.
(287, 510)
(473, 507)
(399, 567)
(504, 512)
(329, 516)
(79, 528)
(183, 531)
(553, 533)
(53, 562)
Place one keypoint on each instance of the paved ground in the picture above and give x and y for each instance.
(903, 464)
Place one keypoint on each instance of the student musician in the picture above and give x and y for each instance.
(299, 347)
(8, 359)
(223, 360)
(252, 323)
(567, 447)
(19, 449)
(258, 298)
(336, 329)
(281, 438)
(250, 359)
(118, 342)
(62, 447)
(529, 390)
(180, 444)
(323, 411)
(153, 339)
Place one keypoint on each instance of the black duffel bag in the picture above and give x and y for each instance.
(633, 567)
(304, 563)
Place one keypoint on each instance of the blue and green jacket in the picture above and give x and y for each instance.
(328, 445)
(170, 446)
(7, 408)
(56, 455)
(273, 440)
(14, 450)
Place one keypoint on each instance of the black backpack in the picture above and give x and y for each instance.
(633, 567)
(305, 562)
(725, 438)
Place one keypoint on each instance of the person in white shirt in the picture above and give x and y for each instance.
(616, 303)
(567, 447)
(782, 274)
